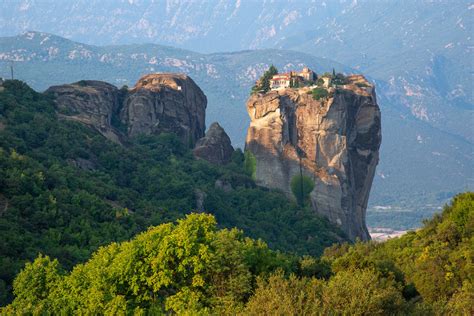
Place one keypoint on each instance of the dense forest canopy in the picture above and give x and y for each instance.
(192, 267)
(65, 190)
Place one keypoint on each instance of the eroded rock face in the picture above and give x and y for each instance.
(165, 103)
(215, 147)
(337, 138)
(158, 103)
(90, 102)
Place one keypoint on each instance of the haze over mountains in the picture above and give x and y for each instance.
(419, 54)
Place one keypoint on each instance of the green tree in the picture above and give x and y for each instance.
(263, 84)
(187, 267)
(362, 292)
(34, 283)
(301, 186)
(339, 79)
(280, 296)
(250, 164)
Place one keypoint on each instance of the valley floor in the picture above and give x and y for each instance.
(398, 218)
(382, 233)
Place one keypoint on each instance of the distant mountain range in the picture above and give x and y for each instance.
(421, 164)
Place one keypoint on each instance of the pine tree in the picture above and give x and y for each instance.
(264, 81)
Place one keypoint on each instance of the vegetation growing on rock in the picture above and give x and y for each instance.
(320, 93)
(301, 187)
(250, 164)
(339, 79)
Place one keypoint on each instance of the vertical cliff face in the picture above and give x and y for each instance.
(158, 103)
(337, 139)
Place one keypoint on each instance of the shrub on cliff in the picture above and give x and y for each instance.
(301, 186)
(320, 81)
(339, 79)
(250, 164)
(320, 93)
(362, 84)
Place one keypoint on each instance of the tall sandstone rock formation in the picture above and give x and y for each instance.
(337, 139)
(158, 103)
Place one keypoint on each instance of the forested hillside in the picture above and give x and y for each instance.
(191, 267)
(65, 190)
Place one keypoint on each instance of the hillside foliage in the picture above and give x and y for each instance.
(191, 267)
(434, 264)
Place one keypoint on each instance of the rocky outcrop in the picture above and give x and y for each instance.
(223, 185)
(337, 139)
(158, 103)
(215, 147)
(170, 103)
(200, 197)
(90, 102)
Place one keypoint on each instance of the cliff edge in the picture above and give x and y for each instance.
(337, 138)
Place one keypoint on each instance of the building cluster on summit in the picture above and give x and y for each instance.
(292, 79)
(309, 78)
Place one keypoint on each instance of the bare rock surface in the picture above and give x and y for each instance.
(163, 102)
(337, 138)
(215, 147)
(223, 185)
(90, 102)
